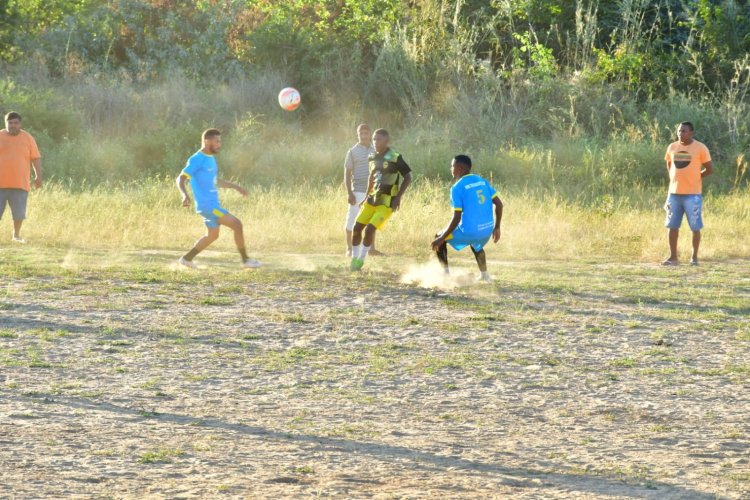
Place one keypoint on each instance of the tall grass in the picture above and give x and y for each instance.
(308, 218)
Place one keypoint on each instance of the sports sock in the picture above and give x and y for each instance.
(356, 250)
(364, 251)
(442, 255)
(191, 254)
(243, 254)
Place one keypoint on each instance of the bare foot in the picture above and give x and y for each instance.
(375, 253)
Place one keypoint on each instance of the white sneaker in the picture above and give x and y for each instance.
(187, 263)
(19, 240)
(485, 277)
(252, 264)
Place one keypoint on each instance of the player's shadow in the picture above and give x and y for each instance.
(425, 460)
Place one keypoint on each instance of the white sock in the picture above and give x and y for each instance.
(364, 251)
(355, 251)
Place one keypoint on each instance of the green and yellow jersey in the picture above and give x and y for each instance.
(386, 170)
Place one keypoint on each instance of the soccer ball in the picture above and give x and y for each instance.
(289, 99)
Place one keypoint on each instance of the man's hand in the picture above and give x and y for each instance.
(352, 199)
(396, 203)
(496, 235)
(241, 190)
(185, 200)
(38, 182)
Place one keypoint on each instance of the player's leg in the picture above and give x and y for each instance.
(17, 200)
(442, 254)
(481, 258)
(675, 211)
(3, 201)
(351, 220)
(212, 234)
(694, 212)
(374, 252)
(235, 225)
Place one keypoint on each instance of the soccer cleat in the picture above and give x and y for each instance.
(251, 264)
(187, 263)
(485, 277)
(356, 264)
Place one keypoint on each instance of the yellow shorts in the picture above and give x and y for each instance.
(376, 215)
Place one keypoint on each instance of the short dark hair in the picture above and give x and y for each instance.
(462, 160)
(12, 116)
(687, 124)
(363, 125)
(210, 133)
(381, 131)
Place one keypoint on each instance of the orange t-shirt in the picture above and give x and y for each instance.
(685, 165)
(16, 153)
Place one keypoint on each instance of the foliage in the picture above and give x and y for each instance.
(129, 81)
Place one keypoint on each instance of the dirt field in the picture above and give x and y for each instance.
(558, 380)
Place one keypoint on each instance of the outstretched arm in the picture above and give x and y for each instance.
(231, 185)
(181, 187)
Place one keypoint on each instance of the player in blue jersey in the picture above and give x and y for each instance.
(473, 222)
(202, 172)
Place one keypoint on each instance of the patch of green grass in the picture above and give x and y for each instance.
(626, 362)
(161, 455)
(216, 301)
(7, 334)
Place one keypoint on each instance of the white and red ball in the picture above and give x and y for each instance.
(289, 99)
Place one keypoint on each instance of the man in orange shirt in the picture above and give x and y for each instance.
(18, 152)
(688, 162)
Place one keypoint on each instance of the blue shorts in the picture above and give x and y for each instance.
(211, 216)
(458, 240)
(16, 198)
(687, 204)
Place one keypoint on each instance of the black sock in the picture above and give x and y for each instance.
(442, 255)
(243, 254)
(481, 258)
(191, 254)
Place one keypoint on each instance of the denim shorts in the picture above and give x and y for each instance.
(16, 198)
(684, 204)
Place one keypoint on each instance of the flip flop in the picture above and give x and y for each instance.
(669, 262)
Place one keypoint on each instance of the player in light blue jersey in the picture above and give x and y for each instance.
(202, 172)
(474, 220)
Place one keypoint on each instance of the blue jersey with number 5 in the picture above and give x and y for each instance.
(472, 196)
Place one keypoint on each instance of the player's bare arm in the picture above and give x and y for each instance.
(396, 201)
(498, 217)
(36, 163)
(455, 221)
(181, 179)
(231, 185)
(370, 184)
(348, 183)
(708, 169)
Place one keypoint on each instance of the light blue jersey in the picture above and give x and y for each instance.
(472, 196)
(202, 171)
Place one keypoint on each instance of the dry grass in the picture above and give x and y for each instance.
(309, 218)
